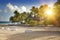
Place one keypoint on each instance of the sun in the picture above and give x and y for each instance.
(49, 12)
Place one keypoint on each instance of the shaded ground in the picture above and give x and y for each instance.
(36, 35)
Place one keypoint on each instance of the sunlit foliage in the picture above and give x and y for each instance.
(42, 15)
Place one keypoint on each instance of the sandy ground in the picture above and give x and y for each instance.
(37, 35)
(29, 33)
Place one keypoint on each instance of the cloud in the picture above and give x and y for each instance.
(5, 11)
(23, 8)
(10, 7)
(15, 7)
(0, 10)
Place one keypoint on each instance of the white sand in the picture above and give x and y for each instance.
(48, 38)
(6, 32)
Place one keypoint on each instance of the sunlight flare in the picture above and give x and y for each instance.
(49, 12)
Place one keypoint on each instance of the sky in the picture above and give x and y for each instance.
(7, 7)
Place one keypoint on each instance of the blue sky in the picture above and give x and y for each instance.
(7, 6)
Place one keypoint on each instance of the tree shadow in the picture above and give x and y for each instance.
(32, 35)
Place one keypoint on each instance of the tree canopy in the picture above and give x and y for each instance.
(37, 15)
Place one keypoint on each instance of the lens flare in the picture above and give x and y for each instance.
(49, 12)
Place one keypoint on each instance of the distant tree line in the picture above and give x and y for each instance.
(37, 16)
